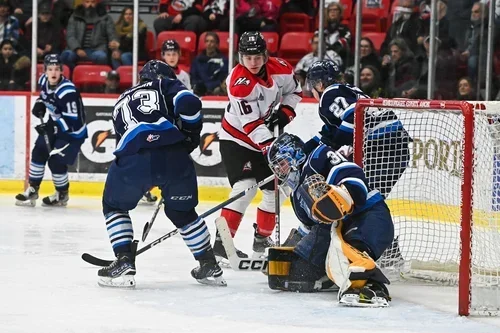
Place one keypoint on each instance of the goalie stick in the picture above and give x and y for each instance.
(102, 262)
(277, 221)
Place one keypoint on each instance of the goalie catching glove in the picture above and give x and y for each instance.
(328, 203)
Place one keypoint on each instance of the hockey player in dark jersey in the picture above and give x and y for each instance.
(59, 138)
(346, 225)
(386, 153)
(158, 124)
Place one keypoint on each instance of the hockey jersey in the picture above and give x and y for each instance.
(183, 77)
(337, 171)
(65, 107)
(155, 114)
(336, 110)
(253, 100)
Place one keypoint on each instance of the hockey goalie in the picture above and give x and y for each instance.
(345, 226)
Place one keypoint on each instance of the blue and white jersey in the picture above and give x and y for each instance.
(337, 171)
(65, 107)
(153, 114)
(336, 110)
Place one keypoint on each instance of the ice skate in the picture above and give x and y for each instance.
(260, 244)
(209, 272)
(120, 274)
(60, 198)
(148, 198)
(220, 252)
(293, 238)
(372, 295)
(28, 197)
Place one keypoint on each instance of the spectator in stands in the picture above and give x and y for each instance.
(90, 32)
(216, 13)
(112, 83)
(458, 15)
(62, 10)
(445, 75)
(368, 54)
(124, 31)
(303, 65)
(9, 25)
(371, 82)
(21, 74)
(337, 35)
(300, 6)
(465, 90)
(256, 15)
(476, 47)
(6, 63)
(210, 68)
(405, 24)
(180, 15)
(49, 32)
(221, 90)
(443, 24)
(171, 53)
(398, 69)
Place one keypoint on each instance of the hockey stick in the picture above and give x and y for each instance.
(237, 263)
(46, 138)
(277, 220)
(101, 262)
(149, 224)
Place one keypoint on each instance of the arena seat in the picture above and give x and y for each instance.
(125, 73)
(295, 45)
(272, 40)
(87, 76)
(377, 38)
(290, 22)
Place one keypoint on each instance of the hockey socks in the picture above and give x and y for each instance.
(233, 219)
(120, 231)
(196, 237)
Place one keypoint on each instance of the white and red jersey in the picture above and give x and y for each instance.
(252, 100)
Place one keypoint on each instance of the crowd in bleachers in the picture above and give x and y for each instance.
(192, 36)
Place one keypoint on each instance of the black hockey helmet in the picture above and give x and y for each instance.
(326, 71)
(154, 70)
(52, 59)
(170, 45)
(252, 42)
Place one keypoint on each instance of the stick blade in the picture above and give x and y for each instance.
(145, 231)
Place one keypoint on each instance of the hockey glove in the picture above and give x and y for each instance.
(38, 110)
(192, 140)
(45, 129)
(282, 117)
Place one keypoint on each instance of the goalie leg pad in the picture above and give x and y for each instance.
(288, 272)
(347, 266)
(313, 247)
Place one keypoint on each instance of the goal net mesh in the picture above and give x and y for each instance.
(414, 157)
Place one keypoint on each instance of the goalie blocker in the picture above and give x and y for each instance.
(346, 226)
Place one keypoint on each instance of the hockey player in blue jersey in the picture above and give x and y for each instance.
(59, 139)
(386, 153)
(346, 225)
(158, 124)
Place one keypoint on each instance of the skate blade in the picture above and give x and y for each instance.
(146, 203)
(58, 204)
(216, 281)
(223, 262)
(354, 301)
(125, 281)
(27, 203)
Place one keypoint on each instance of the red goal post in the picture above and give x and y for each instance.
(435, 229)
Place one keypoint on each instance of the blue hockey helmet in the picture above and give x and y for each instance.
(285, 157)
(52, 59)
(155, 70)
(325, 71)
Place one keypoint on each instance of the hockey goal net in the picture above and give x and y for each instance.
(438, 165)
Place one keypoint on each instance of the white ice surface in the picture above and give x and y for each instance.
(45, 287)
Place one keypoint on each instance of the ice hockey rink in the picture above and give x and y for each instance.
(46, 286)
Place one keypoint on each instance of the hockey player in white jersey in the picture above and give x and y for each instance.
(256, 87)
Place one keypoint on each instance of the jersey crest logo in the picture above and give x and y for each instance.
(152, 137)
(247, 166)
(282, 62)
(242, 81)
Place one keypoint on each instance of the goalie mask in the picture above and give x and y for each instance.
(286, 157)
